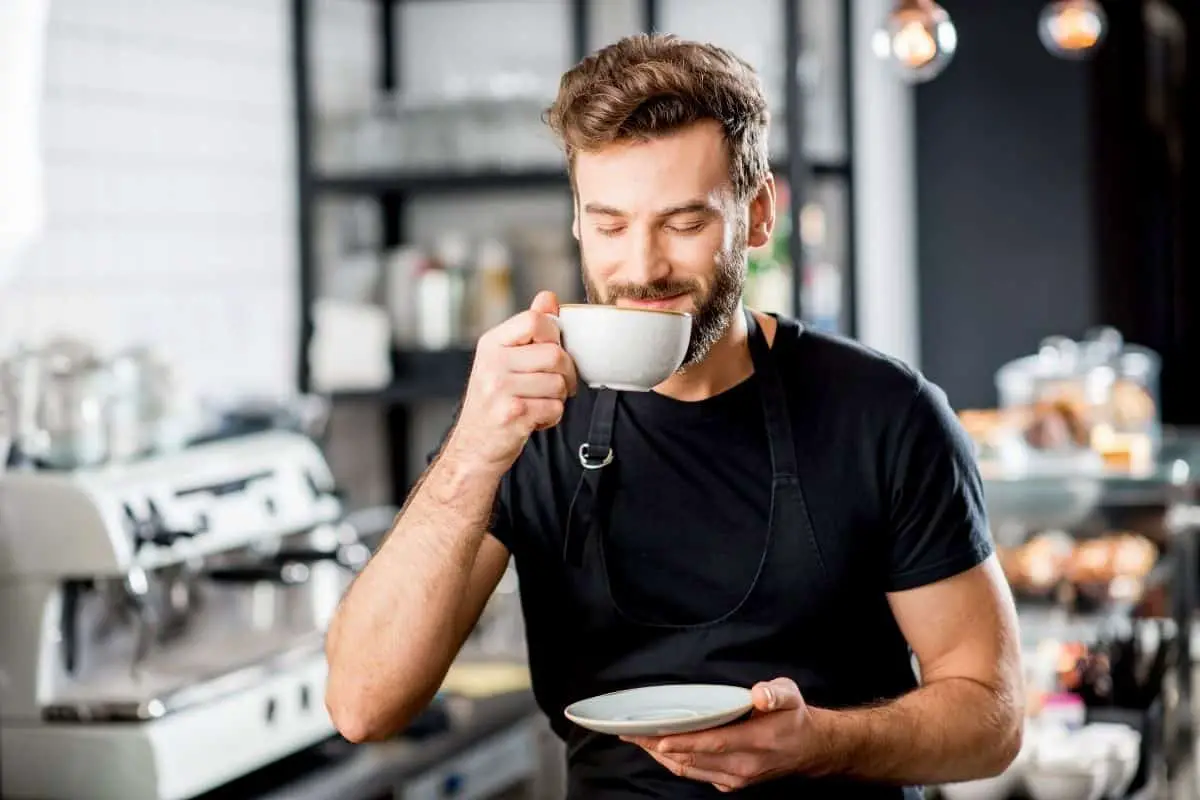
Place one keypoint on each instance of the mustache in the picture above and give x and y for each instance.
(658, 290)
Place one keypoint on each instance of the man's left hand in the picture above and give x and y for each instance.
(772, 743)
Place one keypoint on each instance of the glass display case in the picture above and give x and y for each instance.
(1102, 562)
(1094, 507)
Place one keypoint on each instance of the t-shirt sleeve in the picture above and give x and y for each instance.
(938, 521)
(501, 525)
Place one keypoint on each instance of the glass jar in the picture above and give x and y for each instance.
(73, 412)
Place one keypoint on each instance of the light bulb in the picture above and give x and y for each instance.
(1072, 28)
(918, 39)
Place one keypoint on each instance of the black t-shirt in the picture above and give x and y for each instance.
(890, 457)
(887, 472)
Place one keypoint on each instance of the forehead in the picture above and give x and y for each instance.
(681, 166)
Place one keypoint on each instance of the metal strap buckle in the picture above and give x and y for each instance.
(589, 463)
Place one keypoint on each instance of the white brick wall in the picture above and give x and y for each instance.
(167, 130)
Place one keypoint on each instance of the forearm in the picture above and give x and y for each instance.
(401, 623)
(949, 730)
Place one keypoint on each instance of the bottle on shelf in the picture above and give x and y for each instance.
(440, 295)
(404, 266)
(492, 294)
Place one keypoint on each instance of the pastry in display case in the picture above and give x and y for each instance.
(1084, 491)
(1074, 405)
(1090, 572)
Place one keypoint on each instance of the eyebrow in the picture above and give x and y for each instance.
(690, 207)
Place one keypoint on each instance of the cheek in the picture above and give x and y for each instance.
(697, 254)
(602, 257)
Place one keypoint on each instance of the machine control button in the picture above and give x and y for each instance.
(305, 698)
(452, 785)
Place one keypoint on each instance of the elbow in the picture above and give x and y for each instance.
(357, 710)
(1008, 748)
(355, 720)
(362, 712)
(350, 702)
(356, 729)
(1008, 740)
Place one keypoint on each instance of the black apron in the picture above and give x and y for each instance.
(763, 636)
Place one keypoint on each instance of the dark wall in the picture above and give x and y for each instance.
(1004, 200)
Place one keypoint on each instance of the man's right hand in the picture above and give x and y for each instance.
(519, 382)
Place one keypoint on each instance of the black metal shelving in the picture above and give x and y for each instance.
(428, 376)
(410, 182)
(420, 375)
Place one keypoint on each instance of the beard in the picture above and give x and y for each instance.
(714, 309)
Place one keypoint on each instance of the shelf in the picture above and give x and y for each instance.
(447, 181)
(821, 169)
(402, 393)
(377, 182)
(420, 375)
(1067, 499)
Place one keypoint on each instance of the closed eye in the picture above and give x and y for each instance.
(610, 230)
(688, 227)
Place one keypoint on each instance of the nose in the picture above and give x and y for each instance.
(646, 262)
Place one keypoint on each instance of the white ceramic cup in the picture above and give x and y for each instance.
(627, 349)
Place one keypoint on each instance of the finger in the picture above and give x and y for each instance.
(723, 740)
(778, 695)
(541, 357)
(543, 413)
(546, 302)
(544, 357)
(535, 385)
(526, 327)
(693, 773)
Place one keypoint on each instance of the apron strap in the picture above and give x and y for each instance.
(597, 454)
(594, 456)
(774, 403)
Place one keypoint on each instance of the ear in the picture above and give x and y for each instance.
(762, 214)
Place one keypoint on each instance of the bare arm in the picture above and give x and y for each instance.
(405, 618)
(965, 720)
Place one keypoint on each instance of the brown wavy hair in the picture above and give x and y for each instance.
(646, 86)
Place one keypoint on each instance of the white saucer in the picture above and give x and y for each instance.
(661, 710)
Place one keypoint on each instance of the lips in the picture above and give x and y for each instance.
(665, 302)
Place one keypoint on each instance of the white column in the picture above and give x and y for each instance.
(885, 241)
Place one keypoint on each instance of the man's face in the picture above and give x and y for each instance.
(659, 227)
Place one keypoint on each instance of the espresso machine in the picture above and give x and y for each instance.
(162, 619)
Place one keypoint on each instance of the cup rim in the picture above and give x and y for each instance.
(667, 311)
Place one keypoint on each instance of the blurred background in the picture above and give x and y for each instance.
(246, 247)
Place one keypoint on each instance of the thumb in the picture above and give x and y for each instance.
(777, 695)
(546, 302)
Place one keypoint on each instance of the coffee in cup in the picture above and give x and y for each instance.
(627, 349)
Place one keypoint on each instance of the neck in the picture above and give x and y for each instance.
(727, 364)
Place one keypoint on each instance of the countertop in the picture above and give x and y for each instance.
(339, 769)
